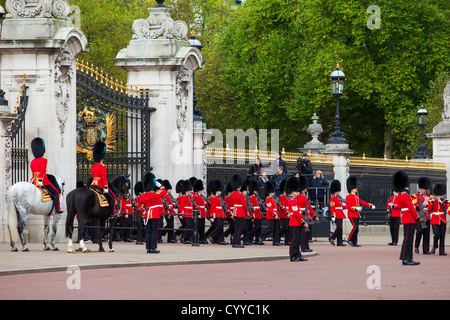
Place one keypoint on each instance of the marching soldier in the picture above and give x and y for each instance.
(421, 200)
(201, 207)
(39, 169)
(253, 189)
(272, 215)
(393, 211)
(216, 213)
(185, 207)
(307, 212)
(400, 184)
(170, 213)
(337, 206)
(228, 212)
(99, 175)
(353, 203)
(239, 209)
(439, 207)
(284, 219)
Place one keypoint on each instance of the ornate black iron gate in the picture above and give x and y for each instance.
(107, 112)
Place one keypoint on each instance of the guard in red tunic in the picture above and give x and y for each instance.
(253, 190)
(186, 207)
(421, 200)
(200, 204)
(216, 213)
(39, 169)
(400, 184)
(272, 214)
(354, 203)
(438, 208)
(307, 211)
(99, 175)
(153, 204)
(239, 209)
(337, 207)
(169, 210)
(393, 211)
(284, 219)
(296, 222)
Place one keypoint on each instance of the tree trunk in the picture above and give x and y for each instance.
(388, 142)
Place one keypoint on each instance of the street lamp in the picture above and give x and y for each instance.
(337, 81)
(422, 152)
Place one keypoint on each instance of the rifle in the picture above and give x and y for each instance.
(420, 213)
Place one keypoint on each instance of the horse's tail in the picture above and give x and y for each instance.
(12, 217)
(71, 213)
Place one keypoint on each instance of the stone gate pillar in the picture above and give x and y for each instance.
(160, 59)
(39, 41)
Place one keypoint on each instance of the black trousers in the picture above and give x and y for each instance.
(238, 230)
(169, 225)
(217, 231)
(284, 230)
(353, 237)
(274, 227)
(425, 234)
(439, 236)
(151, 234)
(407, 247)
(294, 248)
(304, 238)
(187, 232)
(394, 227)
(246, 232)
(256, 231)
(201, 230)
(337, 234)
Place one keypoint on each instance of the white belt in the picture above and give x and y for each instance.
(437, 213)
(404, 209)
(188, 207)
(256, 207)
(218, 207)
(156, 206)
(339, 208)
(202, 207)
(238, 205)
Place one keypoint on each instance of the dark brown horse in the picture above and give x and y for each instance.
(85, 203)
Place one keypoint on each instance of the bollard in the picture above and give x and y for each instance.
(195, 242)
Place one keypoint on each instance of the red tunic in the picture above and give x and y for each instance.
(99, 175)
(302, 202)
(395, 210)
(230, 205)
(438, 209)
(153, 204)
(239, 204)
(216, 210)
(408, 211)
(257, 209)
(294, 212)
(415, 200)
(185, 206)
(126, 206)
(352, 201)
(169, 206)
(200, 202)
(337, 208)
(272, 209)
(283, 200)
(39, 168)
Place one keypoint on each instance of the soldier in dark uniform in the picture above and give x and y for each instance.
(420, 200)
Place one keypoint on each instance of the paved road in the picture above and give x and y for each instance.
(335, 273)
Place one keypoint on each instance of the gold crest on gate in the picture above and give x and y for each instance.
(95, 125)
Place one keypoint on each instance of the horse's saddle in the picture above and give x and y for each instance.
(45, 194)
(101, 197)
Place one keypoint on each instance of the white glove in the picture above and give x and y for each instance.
(40, 183)
(105, 190)
(372, 206)
(157, 184)
(358, 208)
(333, 219)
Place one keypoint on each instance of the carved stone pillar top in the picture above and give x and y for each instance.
(29, 9)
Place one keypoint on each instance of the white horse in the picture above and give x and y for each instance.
(23, 199)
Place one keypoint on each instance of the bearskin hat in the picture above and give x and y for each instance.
(198, 185)
(148, 182)
(138, 188)
(292, 184)
(303, 183)
(192, 180)
(253, 186)
(400, 181)
(424, 183)
(216, 185)
(178, 186)
(236, 181)
(335, 186)
(352, 183)
(38, 147)
(167, 185)
(244, 186)
(209, 187)
(228, 188)
(282, 185)
(99, 151)
(439, 189)
(269, 187)
(186, 186)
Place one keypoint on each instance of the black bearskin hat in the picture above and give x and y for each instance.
(209, 187)
(352, 183)
(167, 185)
(178, 186)
(335, 186)
(38, 147)
(424, 183)
(228, 188)
(216, 185)
(253, 186)
(269, 187)
(292, 184)
(303, 183)
(439, 189)
(99, 151)
(198, 185)
(400, 181)
(186, 186)
(138, 188)
(236, 181)
(148, 182)
(282, 185)
(192, 180)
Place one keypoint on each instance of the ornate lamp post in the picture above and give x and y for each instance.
(422, 152)
(337, 81)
